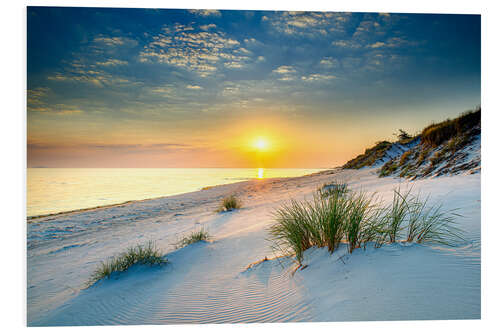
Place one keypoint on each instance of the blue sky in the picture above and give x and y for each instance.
(182, 87)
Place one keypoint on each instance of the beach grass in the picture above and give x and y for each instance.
(194, 237)
(336, 187)
(397, 213)
(147, 254)
(435, 134)
(229, 203)
(357, 219)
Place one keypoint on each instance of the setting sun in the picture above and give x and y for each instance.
(261, 144)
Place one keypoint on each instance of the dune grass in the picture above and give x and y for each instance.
(147, 254)
(357, 219)
(229, 203)
(336, 187)
(194, 237)
(397, 213)
(435, 134)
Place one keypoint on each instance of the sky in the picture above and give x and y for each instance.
(109, 87)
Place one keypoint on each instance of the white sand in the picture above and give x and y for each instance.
(208, 282)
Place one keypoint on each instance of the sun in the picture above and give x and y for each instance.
(261, 144)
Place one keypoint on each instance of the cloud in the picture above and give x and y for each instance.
(36, 96)
(198, 51)
(309, 24)
(377, 45)
(351, 44)
(112, 62)
(208, 26)
(285, 73)
(122, 148)
(318, 77)
(114, 41)
(194, 87)
(56, 109)
(284, 70)
(329, 62)
(37, 103)
(205, 12)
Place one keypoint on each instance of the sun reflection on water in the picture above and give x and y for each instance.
(260, 173)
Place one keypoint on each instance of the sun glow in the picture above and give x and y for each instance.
(260, 173)
(261, 144)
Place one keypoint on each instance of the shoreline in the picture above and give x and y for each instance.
(33, 218)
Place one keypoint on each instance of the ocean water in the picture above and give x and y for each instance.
(53, 190)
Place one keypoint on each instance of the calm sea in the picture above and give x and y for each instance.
(59, 190)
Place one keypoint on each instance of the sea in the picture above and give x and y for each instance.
(55, 190)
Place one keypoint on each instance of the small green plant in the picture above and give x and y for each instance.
(388, 168)
(404, 157)
(403, 135)
(334, 188)
(147, 254)
(423, 155)
(229, 203)
(196, 236)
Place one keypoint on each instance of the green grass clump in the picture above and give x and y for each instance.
(147, 254)
(302, 225)
(404, 157)
(229, 203)
(334, 188)
(423, 155)
(388, 168)
(360, 220)
(396, 214)
(357, 219)
(196, 236)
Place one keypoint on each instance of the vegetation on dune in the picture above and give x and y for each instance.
(147, 254)
(403, 136)
(435, 134)
(357, 219)
(229, 203)
(370, 156)
(436, 150)
(194, 237)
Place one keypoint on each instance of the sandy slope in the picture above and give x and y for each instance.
(208, 282)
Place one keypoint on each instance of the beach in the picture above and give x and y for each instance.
(211, 282)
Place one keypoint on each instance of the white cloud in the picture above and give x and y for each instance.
(194, 87)
(311, 24)
(202, 52)
(377, 45)
(318, 77)
(205, 12)
(329, 62)
(284, 70)
(346, 44)
(112, 62)
(208, 26)
(115, 41)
